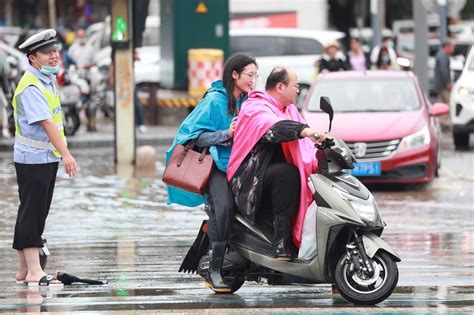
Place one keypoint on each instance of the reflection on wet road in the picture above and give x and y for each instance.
(102, 226)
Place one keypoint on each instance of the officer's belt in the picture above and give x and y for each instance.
(34, 143)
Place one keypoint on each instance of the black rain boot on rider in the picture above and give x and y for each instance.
(283, 238)
(216, 259)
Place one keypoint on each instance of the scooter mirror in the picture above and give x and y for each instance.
(325, 106)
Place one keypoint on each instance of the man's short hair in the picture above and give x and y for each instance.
(278, 75)
(447, 42)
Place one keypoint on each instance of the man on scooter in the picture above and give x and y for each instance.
(269, 166)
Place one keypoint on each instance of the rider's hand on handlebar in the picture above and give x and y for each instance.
(313, 135)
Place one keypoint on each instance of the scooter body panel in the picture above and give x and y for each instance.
(373, 243)
(325, 195)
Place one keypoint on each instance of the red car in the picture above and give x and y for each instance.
(385, 119)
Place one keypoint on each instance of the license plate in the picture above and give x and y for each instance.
(366, 169)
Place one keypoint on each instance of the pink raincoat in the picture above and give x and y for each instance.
(257, 115)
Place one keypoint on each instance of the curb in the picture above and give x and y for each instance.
(103, 141)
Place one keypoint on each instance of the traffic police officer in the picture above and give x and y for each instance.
(39, 146)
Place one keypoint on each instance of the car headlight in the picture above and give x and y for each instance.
(418, 139)
(463, 91)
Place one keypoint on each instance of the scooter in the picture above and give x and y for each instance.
(70, 96)
(347, 249)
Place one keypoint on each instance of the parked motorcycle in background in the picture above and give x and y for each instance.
(8, 86)
(73, 93)
(101, 96)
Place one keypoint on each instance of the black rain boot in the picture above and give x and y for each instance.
(283, 238)
(214, 276)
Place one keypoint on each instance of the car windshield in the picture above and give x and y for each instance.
(264, 46)
(366, 95)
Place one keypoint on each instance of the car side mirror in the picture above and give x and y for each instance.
(325, 106)
(439, 109)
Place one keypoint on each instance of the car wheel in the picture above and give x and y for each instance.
(438, 162)
(461, 140)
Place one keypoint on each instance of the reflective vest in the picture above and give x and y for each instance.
(54, 107)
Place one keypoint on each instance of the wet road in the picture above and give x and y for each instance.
(102, 226)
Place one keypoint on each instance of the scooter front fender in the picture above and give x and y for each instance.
(373, 243)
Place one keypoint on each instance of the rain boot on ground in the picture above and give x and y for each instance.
(216, 258)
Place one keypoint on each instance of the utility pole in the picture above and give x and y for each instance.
(377, 12)
(421, 44)
(122, 37)
(8, 12)
(52, 13)
(443, 18)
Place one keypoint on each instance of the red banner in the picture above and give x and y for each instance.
(273, 20)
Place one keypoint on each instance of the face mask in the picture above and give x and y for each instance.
(48, 70)
(386, 59)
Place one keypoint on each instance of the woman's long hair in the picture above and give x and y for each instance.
(237, 62)
(380, 62)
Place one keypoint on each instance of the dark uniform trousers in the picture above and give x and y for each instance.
(35, 187)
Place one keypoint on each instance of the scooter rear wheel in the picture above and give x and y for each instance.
(362, 289)
(235, 285)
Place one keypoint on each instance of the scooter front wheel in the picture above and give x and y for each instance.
(361, 288)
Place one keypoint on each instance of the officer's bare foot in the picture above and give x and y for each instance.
(43, 280)
(34, 277)
(21, 275)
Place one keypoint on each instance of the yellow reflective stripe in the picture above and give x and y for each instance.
(52, 99)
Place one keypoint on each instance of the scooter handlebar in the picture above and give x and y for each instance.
(326, 144)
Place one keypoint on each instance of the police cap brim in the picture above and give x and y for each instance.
(44, 41)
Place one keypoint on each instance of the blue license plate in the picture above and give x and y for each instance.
(366, 169)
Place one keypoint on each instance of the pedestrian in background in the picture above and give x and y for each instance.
(442, 71)
(388, 45)
(357, 59)
(82, 52)
(212, 124)
(39, 146)
(333, 59)
(384, 62)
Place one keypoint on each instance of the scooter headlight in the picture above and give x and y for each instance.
(365, 209)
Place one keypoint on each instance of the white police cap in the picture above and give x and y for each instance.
(43, 41)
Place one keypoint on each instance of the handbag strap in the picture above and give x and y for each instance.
(201, 157)
(187, 147)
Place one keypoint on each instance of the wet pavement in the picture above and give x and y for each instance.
(103, 226)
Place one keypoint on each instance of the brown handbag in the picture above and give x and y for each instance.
(189, 170)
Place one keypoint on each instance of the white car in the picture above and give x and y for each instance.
(147, 69)
(462, 104)
(294, 48)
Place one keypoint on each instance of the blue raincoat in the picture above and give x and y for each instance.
(209, 115)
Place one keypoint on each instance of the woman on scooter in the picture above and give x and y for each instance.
(272, 158)
(212, 124)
